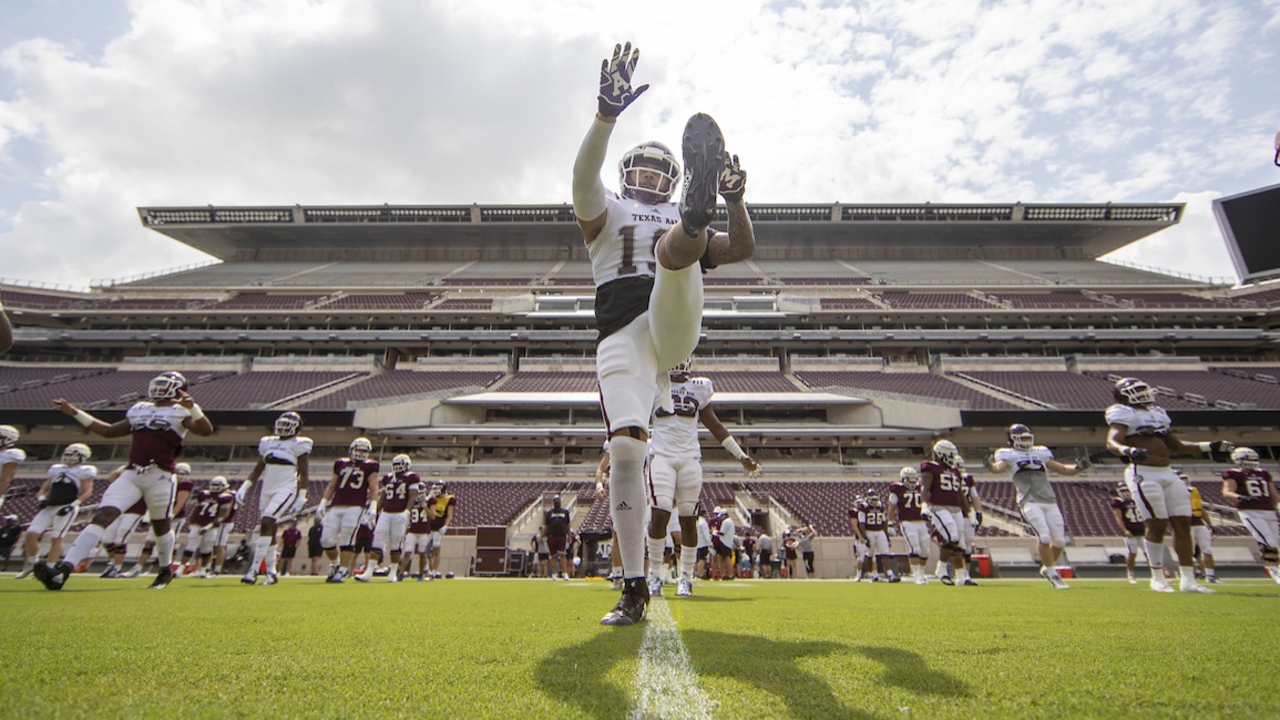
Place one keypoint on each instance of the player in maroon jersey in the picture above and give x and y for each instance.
(1131, 527)
(904, 514)
(418, 539)
(397, 492)
(158, 425)
(1254, 493)
(228, 499)
(861, 556)
(209, 509)
(181, 474)
(944, 502)
(873, 521)
(348, 498)
(975, 511)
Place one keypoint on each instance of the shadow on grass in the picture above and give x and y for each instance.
(909, 671)
(578, 674)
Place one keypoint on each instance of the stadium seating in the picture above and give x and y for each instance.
(264, 388)
(406, 301)
(533, 381)
(259, 301)
(918, 384)
(940, 301)
(400, 383)
(749, 382)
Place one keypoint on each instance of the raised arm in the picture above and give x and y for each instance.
(740, 242)
(616, 93)
(91, 423)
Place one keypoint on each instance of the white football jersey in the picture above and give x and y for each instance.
(1030, 473)
(67, 482)
(627, 244)
(675, 433)
(12, 455)
(1151, 420)
(146, 415)
(281, 457)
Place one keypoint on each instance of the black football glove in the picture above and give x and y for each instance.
(1083, 463)
(66, 510)
(616, 92)
(733, 180)
(978, 517)
(42, 503)
(1134, 454)
(1220, 451)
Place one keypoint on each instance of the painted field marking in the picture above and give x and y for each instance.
(666, 685)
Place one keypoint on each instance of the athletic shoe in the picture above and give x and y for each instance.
(43, 572)
(1197, 588)
(27, 572)
(1047, 574)
(655, 587)
(875, 579)
(1054, 579)
(1160, 585)
(393, 576)
(132, 572)
(857, 578)
(631, 606)
(1276, 577)
(704, 159)
(946, 580)
(894, 578)
(1214, 580)
(250, 577)
(162, 580)
(969, 582)
(270, 579)
(1133, 580)
(922, 580)
(685, 587)
(59, 574)
(363, 577)
(617, 582)
(111, 572)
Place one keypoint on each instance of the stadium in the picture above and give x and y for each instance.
(856, 337)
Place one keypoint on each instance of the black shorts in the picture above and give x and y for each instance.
(289, 552)
(765, 556)
(723, 551)
(704, 552)
(363, 545)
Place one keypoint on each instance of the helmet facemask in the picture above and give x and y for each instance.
(655, 158)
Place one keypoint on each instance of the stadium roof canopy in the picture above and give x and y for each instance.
(223, 232)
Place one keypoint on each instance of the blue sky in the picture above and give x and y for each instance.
(107, 105)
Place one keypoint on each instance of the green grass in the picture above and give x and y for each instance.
(533, 649)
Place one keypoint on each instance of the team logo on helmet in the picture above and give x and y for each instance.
(1020, 437)
(218, 484)
(76, 453)
(360, 449)
(1246, 458)
(401, 463)
(909, 476)
(166, 386)
(1132, 391)
(288, 424)
(9, 436)
(649, 156)
(945, 452)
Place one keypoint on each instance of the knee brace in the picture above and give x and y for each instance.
(1270, 554)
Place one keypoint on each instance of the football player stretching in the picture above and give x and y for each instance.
(645, 254)
(1254, 494)
(1141, 432)
(675, 469)
(1030, 464)
(349, 496)
(904, 513)
(283, 468)
(159, 425)
(398, 492)
(946, 505)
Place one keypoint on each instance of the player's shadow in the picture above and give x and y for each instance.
(909, 671)
(578, 675)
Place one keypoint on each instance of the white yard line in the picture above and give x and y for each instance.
(666, 685)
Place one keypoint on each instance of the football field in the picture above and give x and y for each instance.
(470, 648)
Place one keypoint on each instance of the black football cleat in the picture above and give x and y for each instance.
(43, 572)
(59, 574)
(704, 159)
(162, 580)
(632, 606)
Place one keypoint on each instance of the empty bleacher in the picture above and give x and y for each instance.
(114, 389)
(749, 381)
(1198, 388)
(562, 381)
(401, 383)
(223, 275)
(264, 388)
(931, 301)
(1087, 272)
(263, 301)
(921, 385)
(397, 301)
(1049, 300)
(966, 273)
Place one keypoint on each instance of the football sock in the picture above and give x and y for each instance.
(688, 560)
(917, 571)
(164, 549)
(656, 546)
(260, 546)
(1155, 558)
(627, 493)
(85, 544)
(271, 558)
(1209, 572)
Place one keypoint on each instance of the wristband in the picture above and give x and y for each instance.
(734, 449)
(196, 413)
(84, 418)
(1205, 447)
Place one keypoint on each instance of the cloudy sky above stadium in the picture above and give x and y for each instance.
(108, 105)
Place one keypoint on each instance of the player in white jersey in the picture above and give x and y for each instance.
(1030, 464)
(675, 468)
(11, 457)
(1140, 432)
(158, 426)
(68, 484)
(645, 255)
(283, 468)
